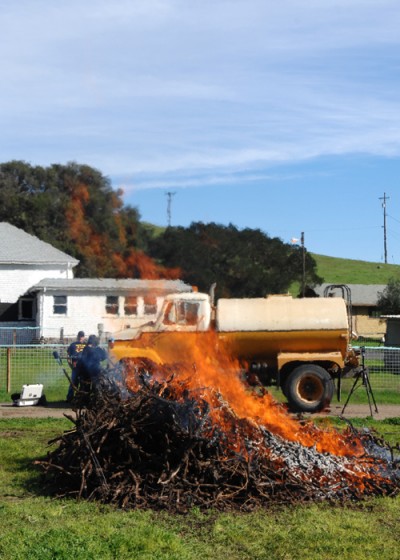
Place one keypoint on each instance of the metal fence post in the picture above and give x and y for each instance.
(8, 370)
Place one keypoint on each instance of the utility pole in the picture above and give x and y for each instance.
(303, 280)
(303, 256)
(384, 198)
(169, 195)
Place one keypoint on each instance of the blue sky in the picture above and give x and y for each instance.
(283, 116)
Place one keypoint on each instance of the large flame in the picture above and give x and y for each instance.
(97, 248)
(209, 366)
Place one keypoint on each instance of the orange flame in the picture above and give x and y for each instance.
(207, 365)
(97, 248)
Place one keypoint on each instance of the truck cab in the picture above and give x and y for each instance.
(185, 312)
(301, 345)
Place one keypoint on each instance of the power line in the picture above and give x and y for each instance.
(327, 230)
(393, 233)
(393, 218)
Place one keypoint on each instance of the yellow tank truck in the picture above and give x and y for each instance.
(301, 345)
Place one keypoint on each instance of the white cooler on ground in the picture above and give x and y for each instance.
(30, 395)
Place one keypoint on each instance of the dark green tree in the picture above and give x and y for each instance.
(389, 300)
(27, 194)
(243, 263)
(75, 208)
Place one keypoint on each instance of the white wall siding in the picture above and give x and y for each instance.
(86, 311)
(15, 280)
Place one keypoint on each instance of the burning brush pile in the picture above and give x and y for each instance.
(150, 439)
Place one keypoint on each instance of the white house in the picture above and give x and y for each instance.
(38, 290)
(24, 261)
(98, 305)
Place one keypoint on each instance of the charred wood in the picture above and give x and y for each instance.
(164, 446)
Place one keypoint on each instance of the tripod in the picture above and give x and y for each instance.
(362, 377)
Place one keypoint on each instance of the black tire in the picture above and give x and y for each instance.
(309, 388)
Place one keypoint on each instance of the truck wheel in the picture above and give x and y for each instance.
(309, 388)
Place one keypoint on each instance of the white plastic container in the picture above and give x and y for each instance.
(30, 395)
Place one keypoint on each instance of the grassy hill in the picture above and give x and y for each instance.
(152, 229)
(347, 271)
(332, 269)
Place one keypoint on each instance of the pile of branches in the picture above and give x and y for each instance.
(165, 447)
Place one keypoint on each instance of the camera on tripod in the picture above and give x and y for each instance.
(362, 376)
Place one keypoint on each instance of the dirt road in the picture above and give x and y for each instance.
(58, 410)
(52, 410)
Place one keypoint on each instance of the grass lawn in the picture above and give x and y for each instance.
(37, 526)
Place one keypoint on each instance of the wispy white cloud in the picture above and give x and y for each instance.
(153, 87)
(187, 181)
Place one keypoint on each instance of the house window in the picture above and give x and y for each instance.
(150, 305)
(25, 309)
(112, 307)
(374, 312)
(130, 306)
(60, 305)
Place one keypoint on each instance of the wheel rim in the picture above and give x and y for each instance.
(310, 389)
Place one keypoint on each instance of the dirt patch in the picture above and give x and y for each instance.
(363, 411)
(52, 410)
(10, 433)
(59, 410)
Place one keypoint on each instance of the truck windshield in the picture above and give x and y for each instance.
(181, 313)
(187, 313)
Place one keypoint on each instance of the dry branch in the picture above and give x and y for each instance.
(161, 447)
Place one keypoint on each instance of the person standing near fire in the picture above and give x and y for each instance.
(89, 367)
(74, 354)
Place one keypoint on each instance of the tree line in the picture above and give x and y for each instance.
(75, 208)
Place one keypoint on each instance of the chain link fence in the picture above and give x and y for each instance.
(30, 364)
(383, 365)
(26, 358)
(25, 364)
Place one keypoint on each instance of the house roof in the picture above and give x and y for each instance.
(19, 247)
(361, 294)
(111, 285)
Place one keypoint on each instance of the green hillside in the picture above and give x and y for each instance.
(347, 271)
(152, 229)
(332, 269)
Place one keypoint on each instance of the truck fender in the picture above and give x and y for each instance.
(136, 353)
(285, 358)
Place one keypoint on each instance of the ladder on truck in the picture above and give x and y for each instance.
(329, 291)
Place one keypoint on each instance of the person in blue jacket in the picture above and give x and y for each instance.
(74, 353)
(90, 369)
